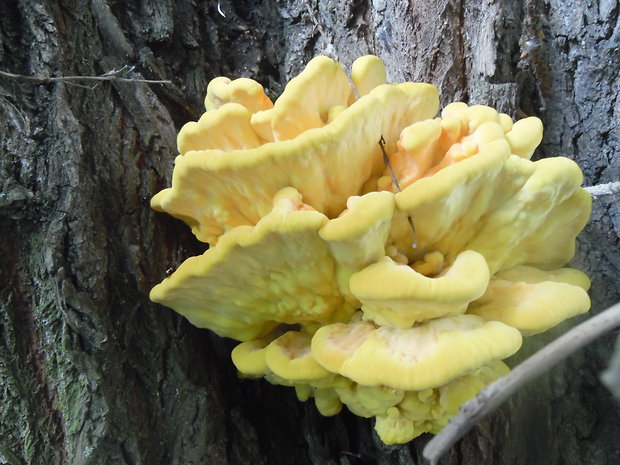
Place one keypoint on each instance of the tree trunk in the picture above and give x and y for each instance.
(92, 373)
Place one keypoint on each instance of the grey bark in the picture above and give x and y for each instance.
(92, 373)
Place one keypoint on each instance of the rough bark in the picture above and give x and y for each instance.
(92, 373)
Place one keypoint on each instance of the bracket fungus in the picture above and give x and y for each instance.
(314, 266)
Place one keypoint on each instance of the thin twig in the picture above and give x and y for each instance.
(496, 393)
(386, 160)
(316, 23)
(112, 75)
(330, 49)
(604, 189)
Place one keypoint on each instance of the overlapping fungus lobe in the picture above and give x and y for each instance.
(365, 252)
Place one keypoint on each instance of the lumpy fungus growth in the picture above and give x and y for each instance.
(398, 301)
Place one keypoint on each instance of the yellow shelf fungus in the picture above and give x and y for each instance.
(533, 301)
(214, 190)
(413, 359)
(395, 294)
(392, 288)
(290, 357)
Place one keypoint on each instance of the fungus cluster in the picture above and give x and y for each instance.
(396, 290)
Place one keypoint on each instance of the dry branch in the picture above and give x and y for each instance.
(112, 75)
(604, 189)
(496, 393)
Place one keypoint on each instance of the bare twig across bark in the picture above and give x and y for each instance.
(112, 75)
(604, 189)
(496, 393)
(386, 160)
(330, 49)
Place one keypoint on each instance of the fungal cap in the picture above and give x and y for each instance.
(462, 132)
(249, 358)
(363, 213)
(290, 357)
(246, 92)
(226, 128)
(327, 401)
(505, 207)
(367, 72)
(532, 300)
(357, 237)
(279, 271)
(393, 294)
(430, 146)
(533, 275)
(525, 135)
(413, 359)
(308, 98)
(326, 165)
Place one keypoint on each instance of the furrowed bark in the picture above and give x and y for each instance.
(91, 372)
